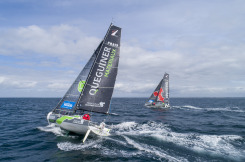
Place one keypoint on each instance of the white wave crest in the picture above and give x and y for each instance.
(234, 109)
(192, 107)
(231, 109)
(68, 146)
(212, 144)
(132, 128)
(51, 128)
(220, 145)
(152, 150)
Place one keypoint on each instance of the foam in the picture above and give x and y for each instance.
(68, 146)
(132, 128)
(235, 109)
(152, 150)
(217, 145)
(220, 145)
(52, 128)
(211, 144)
(192, 107)
(230, 109)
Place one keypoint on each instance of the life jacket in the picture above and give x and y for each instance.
(86, 117)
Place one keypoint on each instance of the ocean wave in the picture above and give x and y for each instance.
(57, 131)
(230, 109)
(153, 150)
(220, 145)
(69, 146)
(214, 145)
(52, 128)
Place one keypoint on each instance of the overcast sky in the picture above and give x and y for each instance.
(44, 44)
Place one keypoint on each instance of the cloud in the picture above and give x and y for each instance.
(65, 43)
(200, 44)
(12, 83)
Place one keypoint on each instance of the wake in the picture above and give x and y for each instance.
(126, 135)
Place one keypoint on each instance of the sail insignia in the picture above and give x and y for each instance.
(160, 96)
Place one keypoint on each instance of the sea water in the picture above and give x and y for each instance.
(193, 129)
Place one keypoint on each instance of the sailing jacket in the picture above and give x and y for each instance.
(86, 117)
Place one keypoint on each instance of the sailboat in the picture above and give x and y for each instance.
(160, 97)
(91, 91)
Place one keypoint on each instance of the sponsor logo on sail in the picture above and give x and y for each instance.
(67, 104)
(160, 97)
(100, 71)
(81, 85)
(114, 32)
(101, 104)
(155, 93)
(112, 44)
(109, 64)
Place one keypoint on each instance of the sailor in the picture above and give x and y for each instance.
(102, 126)
(86, 116)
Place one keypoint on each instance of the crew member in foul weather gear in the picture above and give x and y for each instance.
(86, 116)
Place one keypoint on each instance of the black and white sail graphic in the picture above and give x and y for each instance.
(98, 87)
(161, 93)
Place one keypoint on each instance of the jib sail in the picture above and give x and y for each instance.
(68, 102)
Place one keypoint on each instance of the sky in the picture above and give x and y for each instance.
(200, 43)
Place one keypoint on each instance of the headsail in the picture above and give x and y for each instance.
(99, 85)
(71, 97)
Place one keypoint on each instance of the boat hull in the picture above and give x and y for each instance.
(77, 125)
(163, 106)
